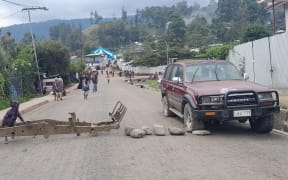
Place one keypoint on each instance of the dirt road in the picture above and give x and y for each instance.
(231, 152)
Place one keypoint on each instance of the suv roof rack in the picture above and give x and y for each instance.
(198, 59)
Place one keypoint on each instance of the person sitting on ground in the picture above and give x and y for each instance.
(12, 114)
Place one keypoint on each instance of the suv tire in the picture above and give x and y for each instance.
(263, 124)
(166, 106)
(190, 123)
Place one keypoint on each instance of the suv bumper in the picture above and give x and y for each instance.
(228, 114)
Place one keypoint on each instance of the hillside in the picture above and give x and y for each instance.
(90, 29)
(41, 29)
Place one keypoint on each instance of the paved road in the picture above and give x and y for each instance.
(231, 152)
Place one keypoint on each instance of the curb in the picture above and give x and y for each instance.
(33, 107)
(276, 131)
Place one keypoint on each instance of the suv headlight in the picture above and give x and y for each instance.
(268, 98)
(265, 96)
(212, 99)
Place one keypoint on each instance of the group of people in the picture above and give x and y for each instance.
(86, 81)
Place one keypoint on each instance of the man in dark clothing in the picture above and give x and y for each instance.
(95, 81)
(11, 116)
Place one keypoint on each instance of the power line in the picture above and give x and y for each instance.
(10, 15)
(34, 8)
(17, 4)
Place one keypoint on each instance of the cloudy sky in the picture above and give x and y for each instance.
(59, 9)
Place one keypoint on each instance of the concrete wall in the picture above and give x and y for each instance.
(148, 70)
(281, 120)
(265, 60)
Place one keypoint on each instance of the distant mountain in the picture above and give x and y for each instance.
(41, 29)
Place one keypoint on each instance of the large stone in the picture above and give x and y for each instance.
(201, 132)
(159, 130)
(176, 131)
(147, 130)
(137, 133)
(128, 130)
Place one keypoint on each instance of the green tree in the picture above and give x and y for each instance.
(183, 9)
(226, 11)
(8, 44)
(176, 29)
(53, 58)
(3, 74)
(198, 33)
(116, 34)
(95, 18)
(234, 16)
(217, 52)
(25, 66)
(27, 39)
(255, 31)
(77, 67)
(70, 36)
(155, 16)
(124, 15)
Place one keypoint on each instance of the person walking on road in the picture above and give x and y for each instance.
(95, 81)
(54, 91)
(59, 88)
(85, 90)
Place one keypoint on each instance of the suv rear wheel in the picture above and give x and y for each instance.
(190, 123)
(166, 110)
(263, 124)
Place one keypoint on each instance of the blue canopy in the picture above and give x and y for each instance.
(102, 52)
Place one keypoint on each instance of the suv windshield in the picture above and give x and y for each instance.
(212, 72)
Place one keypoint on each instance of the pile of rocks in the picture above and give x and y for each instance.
(157, 130)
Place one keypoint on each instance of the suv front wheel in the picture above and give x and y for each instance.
(263, 124)
(190, 123)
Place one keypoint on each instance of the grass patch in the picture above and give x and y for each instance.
(5, 103)
(148, 84)
(153, 84)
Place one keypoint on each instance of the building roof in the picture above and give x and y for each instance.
(102, 52)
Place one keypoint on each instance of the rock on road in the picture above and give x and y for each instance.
(231, 152)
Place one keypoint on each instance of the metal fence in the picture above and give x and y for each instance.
(16, 87)
(265, 60)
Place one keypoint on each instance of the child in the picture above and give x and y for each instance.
(85, 90)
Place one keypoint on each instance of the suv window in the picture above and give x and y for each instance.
(177, 72)
(168, 72)
(212, 72)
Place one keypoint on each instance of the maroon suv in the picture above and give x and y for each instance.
(212, 90)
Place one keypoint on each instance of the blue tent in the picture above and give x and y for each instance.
(103, 52)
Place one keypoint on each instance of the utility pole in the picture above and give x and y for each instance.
(33, 41)
(274, 23)
(167, 55)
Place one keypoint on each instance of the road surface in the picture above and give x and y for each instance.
(231, 152)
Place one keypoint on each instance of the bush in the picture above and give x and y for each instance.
(5, 103)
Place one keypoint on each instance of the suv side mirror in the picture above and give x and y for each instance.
(245, 76)
(176, 80)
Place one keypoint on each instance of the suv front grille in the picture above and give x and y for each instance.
(241, 99)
